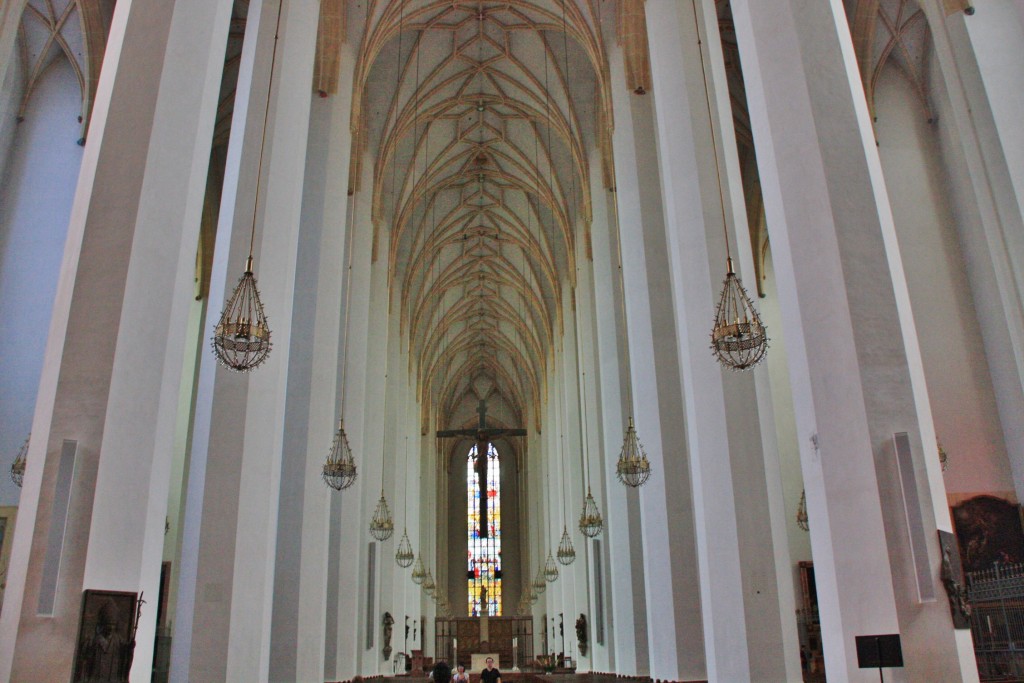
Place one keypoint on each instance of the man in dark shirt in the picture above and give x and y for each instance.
(490, 674)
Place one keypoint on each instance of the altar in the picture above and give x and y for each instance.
(470, 640)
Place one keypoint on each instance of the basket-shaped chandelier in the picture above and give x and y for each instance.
(418, 572)
(18, 466)
(382, 525)
(404, 555)
(739, 338)
(241, 339)
(550, 569)
(428, 583)
(633, 468)
(539, 584)
(566, 553)
(340, 468)
(526, 600)
(591, 521)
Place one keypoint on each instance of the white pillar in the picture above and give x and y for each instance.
(354, 518)
(301, 587)
(114, 357)
(980, 61)
(846, 314)
(228, 549)
(623, 578)
(744, 622)
(673, 612)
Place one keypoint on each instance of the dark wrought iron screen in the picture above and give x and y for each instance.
(997, 621)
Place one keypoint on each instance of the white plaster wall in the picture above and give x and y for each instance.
(35, 204)
(959, 384)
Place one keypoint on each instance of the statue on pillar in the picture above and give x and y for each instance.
(389, 622)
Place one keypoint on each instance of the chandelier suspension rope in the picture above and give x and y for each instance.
(566, 553)
(738, 337)
(382, 525)
(340, 471)
(403, 554)
(263, 135)
(633, 468)
(591, 522)
(241, 338)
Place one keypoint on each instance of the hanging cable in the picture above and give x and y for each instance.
(241, 338)
(739, 338)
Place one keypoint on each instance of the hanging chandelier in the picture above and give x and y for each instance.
(526, 599)
(739, 338)
(550, 569)
(418, 572)
(340, 469)
(591, 522)
(566, 553)
(633, 468)
(428, 583)
(539, 584)
(241, 338)
(18, 466)
(382, 525)
(404, 555)
(802, 520)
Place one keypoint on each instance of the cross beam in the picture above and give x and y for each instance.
(484, 437)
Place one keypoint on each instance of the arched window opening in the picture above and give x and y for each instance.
(483, 479)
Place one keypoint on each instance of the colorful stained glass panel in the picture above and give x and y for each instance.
(484, 557)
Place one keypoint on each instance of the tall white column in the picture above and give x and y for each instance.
(380, 338)
(623, 578)
(228, 549)
(673, 611)
(354, 517)
(744, 621)
(113, 362)
(980, 61)
(301, 570)
(846, 314)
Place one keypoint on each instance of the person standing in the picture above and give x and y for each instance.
(490, 674)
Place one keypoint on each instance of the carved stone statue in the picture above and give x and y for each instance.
(581, 634)
(952, 580)
(389, 623)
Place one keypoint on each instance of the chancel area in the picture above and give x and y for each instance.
(672, 340)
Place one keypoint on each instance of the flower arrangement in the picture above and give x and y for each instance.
(547, 662)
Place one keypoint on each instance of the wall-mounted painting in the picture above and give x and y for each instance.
(989, 531)
(106, 637)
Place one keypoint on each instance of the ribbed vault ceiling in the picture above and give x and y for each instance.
(480, 118)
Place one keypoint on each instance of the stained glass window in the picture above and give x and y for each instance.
(484, 556)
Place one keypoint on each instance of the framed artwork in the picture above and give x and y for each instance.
(989, 531)
(106, 637)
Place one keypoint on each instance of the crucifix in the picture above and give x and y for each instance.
(484, 437)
